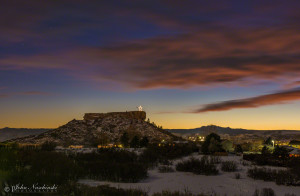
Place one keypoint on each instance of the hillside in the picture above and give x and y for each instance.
(98, 126)
(11, 133)
(230, 131)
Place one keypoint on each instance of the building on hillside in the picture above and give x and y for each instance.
(76, 146)
(196, 138)
(282, 142)
(295, 144)
(295, 153)
(110, 145)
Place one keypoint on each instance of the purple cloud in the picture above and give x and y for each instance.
(281, 97)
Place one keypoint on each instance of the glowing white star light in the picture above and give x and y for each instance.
(140, 108)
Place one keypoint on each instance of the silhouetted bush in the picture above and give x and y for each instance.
(178, 193)
(215, 159)
(43, 167)
(244, 163)
(48, 146)
(203, 166)
(212, 144)
(113, 165)
(84, 190)
(281, 177)
(165, 169)
(154, 153)
(272, 160)
(229, 166)
(49, 167)
(264, 192)
(290, 194)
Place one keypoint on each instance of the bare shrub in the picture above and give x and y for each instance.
(202, 166)
(264, 192)
(165, 169)
(229, 166)
(215, 159)
(237, 176)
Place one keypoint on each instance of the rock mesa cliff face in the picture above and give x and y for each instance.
(139, 115)
(113, 125)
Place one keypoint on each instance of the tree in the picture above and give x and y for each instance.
(214, 146)
(103, 139)
(48, 146)
(281, 152)
(265, 150)
(125, 139)
(144, 142)
(135, 142)
(238, 149)
(268, 141)
(227, 146)
(211, 144)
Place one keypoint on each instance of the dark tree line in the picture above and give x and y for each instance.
(135, 142)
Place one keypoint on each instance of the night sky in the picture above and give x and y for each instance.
(189, 63)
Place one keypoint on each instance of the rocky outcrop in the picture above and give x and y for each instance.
(112, 125)
(139, 115)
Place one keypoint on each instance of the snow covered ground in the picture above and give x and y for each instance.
(222, 184)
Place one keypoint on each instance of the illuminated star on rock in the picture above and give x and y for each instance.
(140, 108)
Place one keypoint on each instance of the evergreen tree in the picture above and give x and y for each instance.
(269, 141)
(238, 149)
(265, 150)
(135, 142)
(211, 144)
(281, 152)
(48, 146)
(125, 139)
(144, 142)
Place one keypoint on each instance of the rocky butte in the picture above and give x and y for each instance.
(96, 126)
(139, 115)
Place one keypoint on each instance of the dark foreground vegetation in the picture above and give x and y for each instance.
(27, 165)
(279, 158)
(229, 166)
(204, 166)
(281, 177)
(155, 154)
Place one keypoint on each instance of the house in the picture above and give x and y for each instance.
(295, 153)
(295, 144)
(76, 146)
(111, 145)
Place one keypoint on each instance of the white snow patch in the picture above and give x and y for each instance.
(224, 183)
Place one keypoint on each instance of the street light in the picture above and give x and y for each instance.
(273, 143)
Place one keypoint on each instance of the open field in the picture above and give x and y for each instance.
(224, 183)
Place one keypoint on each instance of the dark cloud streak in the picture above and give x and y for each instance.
(253, 102)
